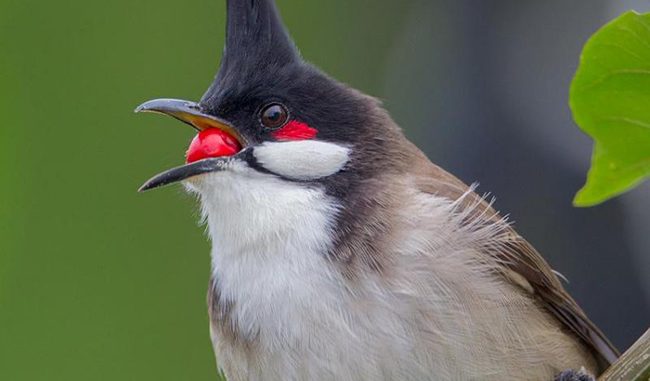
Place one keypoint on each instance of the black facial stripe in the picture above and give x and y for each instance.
(251, 160)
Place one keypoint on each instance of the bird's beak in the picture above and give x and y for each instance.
(192, 114)
(189, 113)
(181, 173)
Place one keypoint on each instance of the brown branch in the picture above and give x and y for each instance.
(634, 365)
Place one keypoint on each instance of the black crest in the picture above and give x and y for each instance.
(256, 40)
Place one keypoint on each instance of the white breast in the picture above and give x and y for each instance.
(270, 238)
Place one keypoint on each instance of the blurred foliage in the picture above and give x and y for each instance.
(98, 282)
(610, 99)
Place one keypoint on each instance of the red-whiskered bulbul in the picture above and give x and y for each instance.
(340, 252)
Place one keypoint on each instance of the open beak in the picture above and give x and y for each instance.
(192, 114)
(181, 173)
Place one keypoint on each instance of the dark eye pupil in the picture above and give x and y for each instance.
(274, 116)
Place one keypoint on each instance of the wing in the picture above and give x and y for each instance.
(517, 256)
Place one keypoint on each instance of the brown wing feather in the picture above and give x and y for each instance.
(520, 257)
(549, 289)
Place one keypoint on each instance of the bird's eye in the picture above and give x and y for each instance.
(274, 116)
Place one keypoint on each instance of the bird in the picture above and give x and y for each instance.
(341, 252)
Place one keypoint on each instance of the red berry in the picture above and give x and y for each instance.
(212, 142)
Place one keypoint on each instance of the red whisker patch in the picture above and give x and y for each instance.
(295, 130)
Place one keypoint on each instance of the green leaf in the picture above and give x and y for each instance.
(610, 99)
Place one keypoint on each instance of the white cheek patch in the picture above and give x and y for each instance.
(302, 160)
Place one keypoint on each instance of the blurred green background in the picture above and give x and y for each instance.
(98, 282)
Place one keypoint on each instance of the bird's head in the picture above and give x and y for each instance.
(270, 113)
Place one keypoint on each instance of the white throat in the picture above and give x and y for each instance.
(270, 239)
